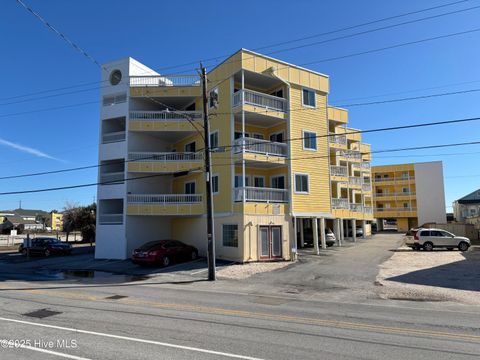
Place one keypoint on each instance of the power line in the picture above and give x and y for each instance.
(216, 58)
(49, 109)
(230, 164)
(436, 123)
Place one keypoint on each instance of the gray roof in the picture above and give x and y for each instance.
(473, 197)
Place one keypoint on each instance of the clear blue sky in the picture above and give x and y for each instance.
(163, 33)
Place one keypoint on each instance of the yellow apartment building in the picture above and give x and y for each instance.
(56, 221)
(285, 166)
(409, 195)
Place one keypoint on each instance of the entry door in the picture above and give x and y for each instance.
(270, 242)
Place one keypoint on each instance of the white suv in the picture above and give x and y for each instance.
(428, 239)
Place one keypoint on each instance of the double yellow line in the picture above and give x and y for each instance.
(258, 315)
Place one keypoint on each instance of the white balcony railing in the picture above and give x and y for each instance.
(367, 209)
(365, 164)
(259, 99)
(164, 199)
(366, 187)
(260, 146)
(165, 115)
(393, 194)
(349, 154)
(396, 209)
(338, 170)
(112, 178)
(165, 156)
(107, 219)
(385, 179)
(158, 80)
(258, 194)
(113, 137)
(356, 207)
(340, 203)
(354, 180)
(337, 139)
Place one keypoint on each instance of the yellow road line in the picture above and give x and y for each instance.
(257, 315)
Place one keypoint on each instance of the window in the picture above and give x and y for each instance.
(258, 136)
(425, 233)
(230, 235)
(258, 181)
(190, 147)
(215, 184)
(190, 188)
(214, 140)
(308, 97)
(277, 137)
(114, 99)
(115, 77)
(277, 182)
(406, 205)
(301, 183)
(213, 98)
(309, 140)
(239, 182)
(277, 93)
(405, 190)
(238, 135)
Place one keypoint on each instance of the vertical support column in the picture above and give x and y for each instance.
(342, 230)
(336, 231)
(302, 237)
(354, 230)
(364, 228)
(293, 243)
(244, 182)
(346, 229)
(315, 235)
(322, 233)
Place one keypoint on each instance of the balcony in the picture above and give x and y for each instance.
(163, 162)
(363, 166)
(165, 120)
(341, 171)
(158, 85)
(366, 186)
(260, 109)
(337, 140)
(340, 204)
(258, 194)
(400, 194)
(162, 81)
(409, 209)
(165, 204)
(110, 219)
(112, 178)
(356, 207)
(259, 146)
(113, 137)
(352, 155)
(368, 210)
(355, 181)
(388, 179)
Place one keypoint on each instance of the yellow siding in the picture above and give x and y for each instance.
(318, 199)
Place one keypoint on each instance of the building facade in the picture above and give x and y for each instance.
(284, 162)
(55, 221)
(467, 206)
(409, 194)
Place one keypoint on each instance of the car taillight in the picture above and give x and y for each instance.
(415, 236)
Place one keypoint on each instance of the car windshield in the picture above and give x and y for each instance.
(151, 244)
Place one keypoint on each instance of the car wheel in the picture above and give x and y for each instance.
(165, 261)
(428, 246)
(194, 255)
(463, 246)
(24, 252)
(47, 253)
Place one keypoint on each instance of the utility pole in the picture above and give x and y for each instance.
(208, 179)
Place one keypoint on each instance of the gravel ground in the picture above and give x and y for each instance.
(431, 276)
(244, 271)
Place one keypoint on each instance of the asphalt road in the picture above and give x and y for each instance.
(179, 316)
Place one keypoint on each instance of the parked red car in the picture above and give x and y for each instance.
(163, 252)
